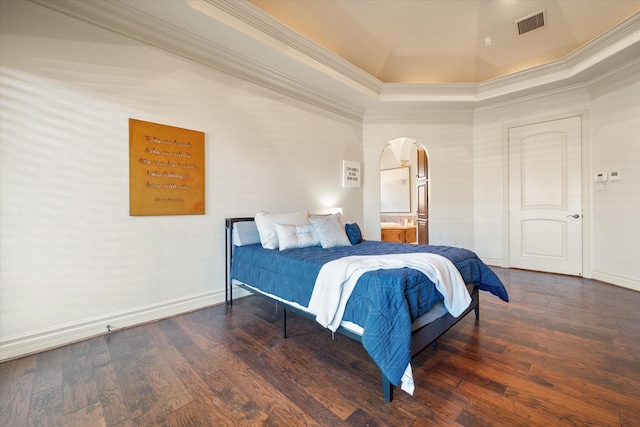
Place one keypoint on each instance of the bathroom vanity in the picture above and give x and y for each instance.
(398, 233)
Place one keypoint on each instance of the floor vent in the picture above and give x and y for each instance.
(532, 22)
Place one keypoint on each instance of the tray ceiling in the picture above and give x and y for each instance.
(445, 41)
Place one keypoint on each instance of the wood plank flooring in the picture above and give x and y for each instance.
(564, 351)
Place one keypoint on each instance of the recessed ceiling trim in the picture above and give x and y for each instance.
(120, 18)
(622, 41)
(256, 18)
(533, 22)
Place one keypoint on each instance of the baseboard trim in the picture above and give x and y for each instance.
(614, 279)
(34, 342)
(495, 262)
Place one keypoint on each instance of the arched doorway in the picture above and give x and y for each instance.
(404, 191)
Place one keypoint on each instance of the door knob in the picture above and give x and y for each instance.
(573, 216)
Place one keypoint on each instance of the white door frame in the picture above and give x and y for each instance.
(587, 185)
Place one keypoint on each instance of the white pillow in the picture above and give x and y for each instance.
(329, 231)
(295, 236)
(266, 223)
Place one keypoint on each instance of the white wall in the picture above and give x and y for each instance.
(610, 109)
(447, 137)
(72, 259)
(490, 173)
(615, 139)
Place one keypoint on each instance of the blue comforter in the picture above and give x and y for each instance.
(384, 302)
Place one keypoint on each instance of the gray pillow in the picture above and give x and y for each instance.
(245, 233)
(329, 231)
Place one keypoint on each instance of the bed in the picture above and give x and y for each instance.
(395, 308)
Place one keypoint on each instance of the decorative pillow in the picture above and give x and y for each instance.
(245, 233)
(295, 236)
(338, 214)
(329, 231)
(353, 233)
(266, 223)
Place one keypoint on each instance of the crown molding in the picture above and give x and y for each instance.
(622, 36)
(562, 98)
(321, 78)
(435, 92)
(618, 39)
(624, 39)
(623, 76)
(267, 26)
(120, 18)
(625, 34)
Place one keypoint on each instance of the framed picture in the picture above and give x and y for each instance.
(395, 190)
(350, 174)
(166, 170)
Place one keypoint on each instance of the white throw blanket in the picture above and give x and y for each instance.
(338, 278)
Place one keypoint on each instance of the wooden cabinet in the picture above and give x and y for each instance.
(399, 234)
(423, 200)
(423, 165)
(422, 187)
(423, 232)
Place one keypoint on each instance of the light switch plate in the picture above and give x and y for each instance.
(600, 176)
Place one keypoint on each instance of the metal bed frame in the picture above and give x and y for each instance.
(421, 338)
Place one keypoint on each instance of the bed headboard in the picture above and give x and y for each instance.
(230, 221)
(228, 237)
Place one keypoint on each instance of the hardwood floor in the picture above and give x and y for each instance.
(564, 351)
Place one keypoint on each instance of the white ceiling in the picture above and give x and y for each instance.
(443, 41)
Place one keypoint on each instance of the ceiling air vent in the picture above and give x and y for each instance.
(532, 22)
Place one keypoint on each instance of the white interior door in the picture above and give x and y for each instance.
(545, 196)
